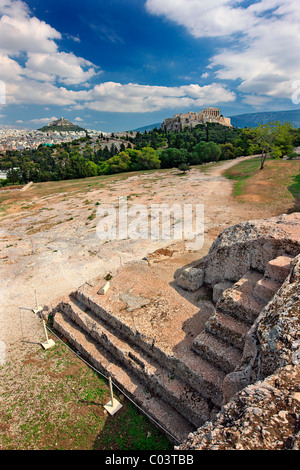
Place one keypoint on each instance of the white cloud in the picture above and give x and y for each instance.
(45, 75)
(131, 97)
(10, 69)
(256, 101)
(65, 67)
(20, 32)
(205, 18)
(261, 41)
(23, 35)
(43, 120)
(29, 91)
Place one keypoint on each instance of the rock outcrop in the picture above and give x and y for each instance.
(273, 340)
(245, 246)
(214, 375)
(262, 395)
(192, 119)
(264, 416)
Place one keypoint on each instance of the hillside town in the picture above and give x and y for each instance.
(21, 139)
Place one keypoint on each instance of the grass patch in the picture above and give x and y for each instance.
(62, 407)
(93, 215)
(132, 432)
(276, 185)
(241, 172)
(294, 189)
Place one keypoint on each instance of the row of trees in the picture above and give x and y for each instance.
(152, 150)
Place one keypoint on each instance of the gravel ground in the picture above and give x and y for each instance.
(49, 246)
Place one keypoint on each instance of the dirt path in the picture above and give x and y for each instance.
(52, 247)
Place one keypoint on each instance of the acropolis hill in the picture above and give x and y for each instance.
(191, 119)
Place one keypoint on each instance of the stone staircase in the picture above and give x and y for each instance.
(174, 377)
(222, 340)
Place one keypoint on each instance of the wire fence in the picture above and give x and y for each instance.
(157, 424)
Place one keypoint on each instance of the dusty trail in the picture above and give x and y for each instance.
(53, 248)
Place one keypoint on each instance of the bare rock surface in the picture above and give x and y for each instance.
(51, 247)
(262, 395)
(264, 416)
(251, 245)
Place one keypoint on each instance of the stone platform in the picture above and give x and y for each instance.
(141, 332)
(166, 347)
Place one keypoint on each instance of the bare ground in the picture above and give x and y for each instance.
(48, 247)
(51, 247)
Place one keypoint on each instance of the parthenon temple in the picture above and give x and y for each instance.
(191, 119)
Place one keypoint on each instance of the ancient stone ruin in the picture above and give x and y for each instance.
(192, 119)
(198, 368)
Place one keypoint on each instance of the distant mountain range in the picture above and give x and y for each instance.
(253, 119)
(147, 128)
(62, 125)
(249, 119)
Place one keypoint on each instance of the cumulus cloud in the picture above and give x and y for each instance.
(262, 40)
(66, 66)
(205, 18)
(20, 32)
(131, 97)
(46, 74)
(43, 120)
(25, 36)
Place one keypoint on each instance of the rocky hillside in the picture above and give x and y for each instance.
(61, 125)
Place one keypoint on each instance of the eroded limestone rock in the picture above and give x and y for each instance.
(261, 397)
(219, 289)
(263, 416)
(251, 245)
(191, 279)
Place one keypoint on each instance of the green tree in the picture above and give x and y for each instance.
(272, 139)
(117, 164)
(184, 167)
(173, 157)
(206, 152)
(144, 159)
(92, 168)
(227, 151)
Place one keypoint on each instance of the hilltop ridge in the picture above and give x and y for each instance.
(246, 120)
(253, 119)
(62, 125)
(191, 119)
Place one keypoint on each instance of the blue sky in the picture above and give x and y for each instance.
(115, 65)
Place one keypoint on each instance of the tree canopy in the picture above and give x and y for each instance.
(271, 139)
(149, 150)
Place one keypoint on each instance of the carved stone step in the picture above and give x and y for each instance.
(247, 282)
(179, 360)
(219, 288)
(217, 352)
(228, 329)
(239, 302)
(176, 426)
(266, 288)
(278, 269)
(157, 379)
